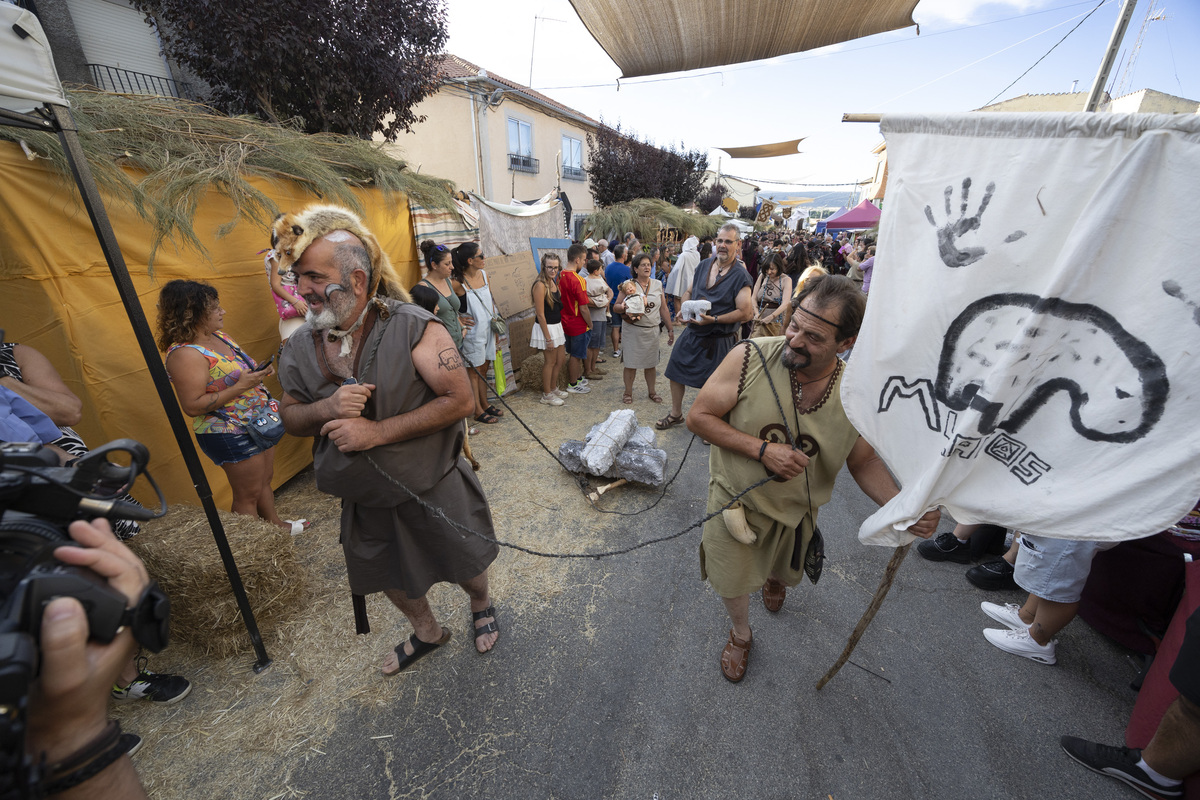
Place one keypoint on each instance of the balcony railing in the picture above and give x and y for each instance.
(115, 79)
(517, 163)
(575, 173)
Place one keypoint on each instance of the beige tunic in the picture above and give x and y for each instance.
(776, 509)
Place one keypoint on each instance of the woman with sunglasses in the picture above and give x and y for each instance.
(479, 342)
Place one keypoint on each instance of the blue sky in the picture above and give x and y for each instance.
(967, 52)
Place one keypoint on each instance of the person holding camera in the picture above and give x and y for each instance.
(222, 389)
(82, 753)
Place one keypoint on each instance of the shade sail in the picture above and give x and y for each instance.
(864, 215)
(691, 34)
(788, 148)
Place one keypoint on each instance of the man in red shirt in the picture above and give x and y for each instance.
(576, 317)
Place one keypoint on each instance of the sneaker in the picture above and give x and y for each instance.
(997, 574)
(1007, 614)
(551, 400)
(165, 689)
(579, 388)
(582, 380)
(1020, 643)
(945, 548)
(1117, 762)
(616, 353)
(131, 742)
(560, 393)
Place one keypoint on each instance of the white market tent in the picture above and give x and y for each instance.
(32, 97)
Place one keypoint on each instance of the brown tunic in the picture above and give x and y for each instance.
(389, 540)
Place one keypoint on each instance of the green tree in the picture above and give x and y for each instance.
(355, 67)
(622, 167)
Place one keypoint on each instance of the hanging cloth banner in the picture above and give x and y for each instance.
(1030, 355)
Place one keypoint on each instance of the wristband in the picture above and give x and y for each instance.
(87, 762)
(762, 450)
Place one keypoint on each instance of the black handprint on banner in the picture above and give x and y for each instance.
(947, 234)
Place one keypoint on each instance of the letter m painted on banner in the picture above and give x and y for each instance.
(922, 389)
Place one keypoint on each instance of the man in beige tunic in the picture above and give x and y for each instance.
(804, 448)
(379, 378)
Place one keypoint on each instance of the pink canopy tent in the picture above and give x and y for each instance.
(860, 218)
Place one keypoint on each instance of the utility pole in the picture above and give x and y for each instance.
(1110, 55)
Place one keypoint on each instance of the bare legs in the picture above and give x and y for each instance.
(479, 386)
(614, 333)
(1174, 752)
(739, 615)
(553, 366)
(677, 390)
(251, 484)
(425, 624)
(1046, 617)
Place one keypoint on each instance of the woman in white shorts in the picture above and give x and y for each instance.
(547, 334)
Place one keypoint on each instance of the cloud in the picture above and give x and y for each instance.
(965, 12)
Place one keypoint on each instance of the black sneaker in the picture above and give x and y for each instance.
(993, 575)
(1119, 763)
(945, 548)
(131, 743)
(156, 688)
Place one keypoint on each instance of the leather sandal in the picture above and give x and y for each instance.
(483, 630)
(495, 412)
(735, 657)
(420, 648)
(772, 595)
(669, 421)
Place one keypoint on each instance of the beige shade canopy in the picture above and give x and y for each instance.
(788, 148)
(658, 36)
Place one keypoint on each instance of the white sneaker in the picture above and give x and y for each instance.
(616, 353)
(551, 400)
(1020, 643)
(1007, 614)
(559, 393)
(579, 388)
(583, 381)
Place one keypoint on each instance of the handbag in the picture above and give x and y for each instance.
(496, 323)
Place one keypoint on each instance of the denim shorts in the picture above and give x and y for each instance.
(577, 345)
(615, 322)
(1055, 569)
(227, 448)
(599, 328)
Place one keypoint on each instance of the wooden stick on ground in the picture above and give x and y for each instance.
(885, 583)
(595, 495)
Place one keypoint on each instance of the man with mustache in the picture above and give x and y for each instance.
(765, 541)
(373, 377)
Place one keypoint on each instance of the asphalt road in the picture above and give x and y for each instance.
(613, 689)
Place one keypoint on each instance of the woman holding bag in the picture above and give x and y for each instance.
(221, 389)
(479, 341)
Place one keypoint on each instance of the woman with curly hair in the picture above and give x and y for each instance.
(221, 389)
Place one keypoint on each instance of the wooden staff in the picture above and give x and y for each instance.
(885, 583)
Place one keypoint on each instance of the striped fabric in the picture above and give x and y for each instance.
(444, 227)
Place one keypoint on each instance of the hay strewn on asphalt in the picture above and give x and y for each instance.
(180, 552)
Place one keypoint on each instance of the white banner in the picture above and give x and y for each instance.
(1030, 352)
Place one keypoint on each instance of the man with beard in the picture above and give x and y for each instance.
(769, 539)
(375, 379)
(724, 282)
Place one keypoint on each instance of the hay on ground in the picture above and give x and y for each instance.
(529, 377)
(180, 553)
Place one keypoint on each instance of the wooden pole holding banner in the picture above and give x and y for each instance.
(885, 583)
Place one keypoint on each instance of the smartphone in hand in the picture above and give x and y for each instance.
(264, 365)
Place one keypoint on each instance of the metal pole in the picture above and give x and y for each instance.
(68, 135)
(1110, 55)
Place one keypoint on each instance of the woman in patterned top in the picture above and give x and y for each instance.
(221, 389)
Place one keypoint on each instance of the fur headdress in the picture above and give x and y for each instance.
(291, 234)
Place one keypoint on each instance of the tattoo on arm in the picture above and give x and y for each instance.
(450, 360)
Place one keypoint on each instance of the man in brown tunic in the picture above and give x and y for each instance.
(380, 379)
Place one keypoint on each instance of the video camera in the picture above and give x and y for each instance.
(38, 500)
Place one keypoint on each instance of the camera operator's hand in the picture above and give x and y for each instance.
(68, 702)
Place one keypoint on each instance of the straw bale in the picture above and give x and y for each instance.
(182, 556)
(530, 375)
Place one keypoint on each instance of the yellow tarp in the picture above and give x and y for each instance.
(58, 296)
(690, 34)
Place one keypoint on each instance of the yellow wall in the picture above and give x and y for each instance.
(441, 145)
(57, 295)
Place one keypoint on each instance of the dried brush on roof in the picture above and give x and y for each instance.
(161, 155)
(645, 217)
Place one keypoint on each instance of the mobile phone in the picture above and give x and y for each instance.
(264, 364)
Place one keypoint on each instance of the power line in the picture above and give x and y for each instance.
(1048, 52)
